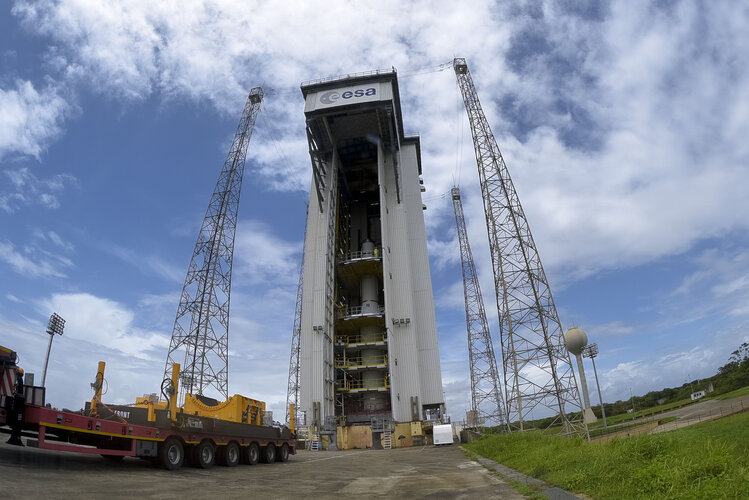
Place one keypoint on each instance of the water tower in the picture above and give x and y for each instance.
(575, 341)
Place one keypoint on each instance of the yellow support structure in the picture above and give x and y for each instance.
(97, 386)
(292, 419)
(235, 409)
(175, 392)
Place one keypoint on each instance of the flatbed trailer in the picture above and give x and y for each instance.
(124, 431)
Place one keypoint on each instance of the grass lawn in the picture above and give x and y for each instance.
(734, 394)
(709, 460)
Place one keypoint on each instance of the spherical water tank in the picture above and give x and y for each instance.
(575, 340)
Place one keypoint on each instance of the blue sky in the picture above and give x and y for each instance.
(623, 124)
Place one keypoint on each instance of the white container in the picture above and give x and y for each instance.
(443, 434)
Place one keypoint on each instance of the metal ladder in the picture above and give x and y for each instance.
(387, 440)
(315, 442)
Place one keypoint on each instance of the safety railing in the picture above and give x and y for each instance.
(345, 312)
(359, 255)
(327, 79)
(358, 339)
(359, 362)
(366, 385)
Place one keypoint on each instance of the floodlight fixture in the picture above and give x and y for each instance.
(54, 327)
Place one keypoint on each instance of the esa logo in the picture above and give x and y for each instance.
(332, 96)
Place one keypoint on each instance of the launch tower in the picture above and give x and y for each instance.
(368, 329)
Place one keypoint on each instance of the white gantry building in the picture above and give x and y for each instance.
(368, 331)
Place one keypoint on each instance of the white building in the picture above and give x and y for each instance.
(369, 336)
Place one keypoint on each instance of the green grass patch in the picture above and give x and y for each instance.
(709, 460)
(735, 394)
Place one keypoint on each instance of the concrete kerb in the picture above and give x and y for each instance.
(541, 487)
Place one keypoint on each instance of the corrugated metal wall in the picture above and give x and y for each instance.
(313, 306)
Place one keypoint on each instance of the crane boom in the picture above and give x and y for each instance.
(201, 328)
(537, 368)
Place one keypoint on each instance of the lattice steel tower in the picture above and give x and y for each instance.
(201, 328)
(292, 389)
(537, 368)
(486, 397)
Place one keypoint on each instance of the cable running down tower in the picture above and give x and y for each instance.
(201, 328)
(537, 368)
(487, 403)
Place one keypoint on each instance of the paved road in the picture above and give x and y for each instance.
(702, 411)
(425, 472)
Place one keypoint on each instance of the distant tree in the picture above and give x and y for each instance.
(739, 359)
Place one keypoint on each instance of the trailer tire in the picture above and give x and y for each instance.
(250, 455)
(171, 453)
(204, 455)
(283, 453)
(269, 453)
(228, 455)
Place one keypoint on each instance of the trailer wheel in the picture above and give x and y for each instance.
(204, 455)
(250, 455)
(171, 453)
(283, 453)
(228, 455)
(269, 453)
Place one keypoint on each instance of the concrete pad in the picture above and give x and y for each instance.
(423, 472)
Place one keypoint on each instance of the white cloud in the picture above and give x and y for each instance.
(260, 256)
(104, 322)
(26, 189)
(33, 262)
(148, 263)
(30, 119)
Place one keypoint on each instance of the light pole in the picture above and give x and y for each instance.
(55, 326)
(591, 351)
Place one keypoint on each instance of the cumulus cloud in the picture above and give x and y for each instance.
(105, 322)
(30, 119)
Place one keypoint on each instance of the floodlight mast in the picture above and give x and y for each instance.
(201, 328)
(55, 327)
(537, 369)
(487, 402)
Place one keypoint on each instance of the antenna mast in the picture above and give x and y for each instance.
(201, 328)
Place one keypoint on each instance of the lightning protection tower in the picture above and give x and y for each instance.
(537, 369)
(292, 389)
(487, 404)
(201, 328)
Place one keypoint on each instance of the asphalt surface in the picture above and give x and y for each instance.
(702, 411)
(423, 472)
